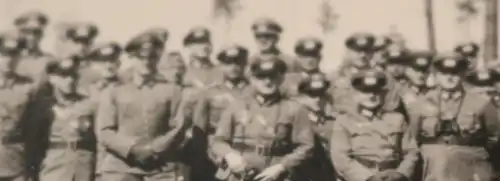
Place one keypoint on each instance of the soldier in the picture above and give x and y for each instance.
(66, 127)
(417, 71)
(358, 49)
(381, 44)
(136, 122)
(31, 26)
(481, 81)
(80, 39)
(455, 128)
(104, 62)
(212, 102)
(367, 141)
(173, 67)
(160, 33)
(469, 51)
(395, 63)
(263, 136)
(267, 35)
(201, 72)
(308, 51)
(315, 96)
(16, 98)
(341, 86)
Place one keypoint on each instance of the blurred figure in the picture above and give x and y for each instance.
(267, 35)
(173, 67)
(481, 81)
(455, 128)
(357, 151)
(308, 52)
(201, 71)
(19, 153)
(314, 95)
(67, 127)
(31, 27)
(416, 74)
(470, 52)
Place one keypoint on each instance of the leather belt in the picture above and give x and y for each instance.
(77, 145)
(379, 165)
(259, 149)
(452, 140)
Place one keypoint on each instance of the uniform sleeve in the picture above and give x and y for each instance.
(492, 123)
(410, 150)
(223, 134)
(106, 117)
(348, 168)
(303, 137)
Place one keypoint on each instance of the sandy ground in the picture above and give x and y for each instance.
(119, 19)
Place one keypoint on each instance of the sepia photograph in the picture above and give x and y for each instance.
(249, 90)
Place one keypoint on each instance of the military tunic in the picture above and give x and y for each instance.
(69, 139)
(455, 132)
(134, 113)
(33, 66)
(365, 143)
(322, 114)
(265, 133)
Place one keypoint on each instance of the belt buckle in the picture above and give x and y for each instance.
(72, 145)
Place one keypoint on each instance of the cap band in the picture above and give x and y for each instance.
(317, 84)
(450, 63)
(309, 45)
(267, 65)
(361, 41)
(233, 52)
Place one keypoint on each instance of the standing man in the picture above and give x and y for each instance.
(417, 71)
(267, 35)
(210, 105)
(16, 109)
(455, 128)
(173, 67)
(31, 26)
(136, 122)
(79, 40)
(358, 49)
(470, 52)
(66, 121)
(201, 71)
(367, 141)
(314, 95)
(308, 52)
(104, 63)
(264, 136)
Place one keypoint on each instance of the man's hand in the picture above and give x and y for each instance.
(392, 175)
(143, 154)
(271, 173)
(235, 163)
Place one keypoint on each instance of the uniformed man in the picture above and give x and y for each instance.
(263, 136)
(455, 128)
(308, 52)
(16, 99)
(173, 67)
(31, 26)
(367, 141)
(313, 93)
(212, 102)
(66, 119)
(395, 62)
(267, 35)
(79, 40)
(104, 63)
(359, 47)
(381, 44)
(481, 81)
(201, 71)
(341, 85)
(470, 51)
(136, 122)
(416, 73)
(160, 33)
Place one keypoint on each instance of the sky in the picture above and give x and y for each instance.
(120, 19)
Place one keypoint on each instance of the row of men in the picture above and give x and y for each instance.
(264, 121)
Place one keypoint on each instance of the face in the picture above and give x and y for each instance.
(267, 85)
(369, 100)
(266, 41)
(65, 84)
(78, 47)
(232, 70)
(200, 50)
(173, 73)
(309, 63)
(107, 69)
(32, 36)
(7, 64)
(448, 81)
(416, 77)
(143, 66)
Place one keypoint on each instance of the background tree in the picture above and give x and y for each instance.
(225, 10)
(431, 32)
(328, 17)
(491, 30)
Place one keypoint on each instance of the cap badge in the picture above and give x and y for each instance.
(379, 41)
(467, 48)
(262, 28)
(309, 45)
(450, 63)
(267, 65)
(32, 23)
(361, 41)
(421, 61)
(67, 63)
(107, 51)
(199, 33)
(232, 52)
(82, 31)
(317, 84)
(395, 53)
(147, 45)
(370, 81)
(483, 75)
